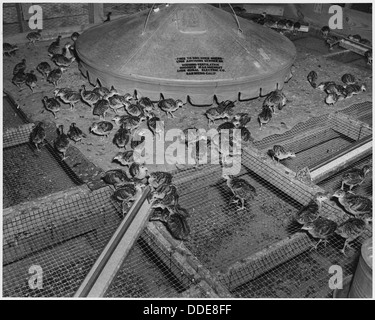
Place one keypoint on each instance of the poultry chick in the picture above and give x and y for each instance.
(264, 117)
(101, 107)
(125, 158)
(325, 31)
(354, 177)
(331, 41)
(54, 47)
(246, 135)
(310, 212)
(121, 137)
(31, 80)
(44, 68)
(19, 79)
(101, 128)
(280, 153)
(116, 177)
(352, 89)
(368, 56)
(134, 110)
(175, 223)
(163, 191)
(155, 125)
(131, 123)
(9, 49)
(68, 51)
(75, 133)
(170, 105)
(67, 96)
(323, 85)
(124, 192)
(34, 37)
(37, 135)
(331, 99)
(51, 104)
(357, 205)
(296, 27)
(146, 104)
(19, 67)
(241, 189)
(90, 97)
(321, 229)
(350, 230)
(61, 61)
(275, 99)
(348, 78)
(105, 92)
(117, 102)
(241, 119)
(214, 114)
(74, 36)
(168, 201)
(158, 178)
(138, 171)
(61, 142)
(127, 202)
(55, 76)
(356, 37)
(312, 77)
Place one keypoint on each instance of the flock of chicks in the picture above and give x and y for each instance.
(358, 207)
(337, 92)
(130, 183)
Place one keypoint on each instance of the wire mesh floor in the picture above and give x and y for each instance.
(29, 174)
(11, 117)
(64, 239)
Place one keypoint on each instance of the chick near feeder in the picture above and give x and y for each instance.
(131, 198)
(158, 178)
(125, 158)
(241, 189)
(131, 123)
(138, 171)
(61, 142)
(331, 99)
(323, 85)
(265, 116)
(74, 36)
(280, 153)
(101, 128)
(9, 49)
(67, 96)
(101, 107)
(38, 135)
(325, 31)
(90, 97)
(31, 80)
(51, 104)
(19, 79)
(275, 99)
(354, 177)
(350, 230)
(310, 212)
(321, 229)
(54, 47)
(44, 68)
(348, 78)
(55, 76)
(353, 89)
(121, 137)
(75, 133)
(357, 205)
(170, 105)
(105, 92)
(241, 119)
(20, 67)
(34, 37)
(312, 77)
(116, 177)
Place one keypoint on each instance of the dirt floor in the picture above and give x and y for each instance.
(303, 101)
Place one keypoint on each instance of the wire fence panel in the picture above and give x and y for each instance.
(64, 239)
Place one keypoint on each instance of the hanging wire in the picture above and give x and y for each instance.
(148, 16)
(238, 23)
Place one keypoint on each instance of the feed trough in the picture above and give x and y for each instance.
(186, 50)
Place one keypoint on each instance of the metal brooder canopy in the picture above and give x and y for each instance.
(186, 50)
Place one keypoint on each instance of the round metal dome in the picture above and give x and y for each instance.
(182, 50)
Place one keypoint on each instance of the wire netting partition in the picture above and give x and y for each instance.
(13, 116)
(63, 236)
(361, 111)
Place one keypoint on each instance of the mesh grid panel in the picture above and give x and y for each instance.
(361, 111)
(64, 239)
(29, 174)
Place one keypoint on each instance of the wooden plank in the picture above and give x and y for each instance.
(353, 46)
(341, 160)
(259, 263)
(107, 265)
